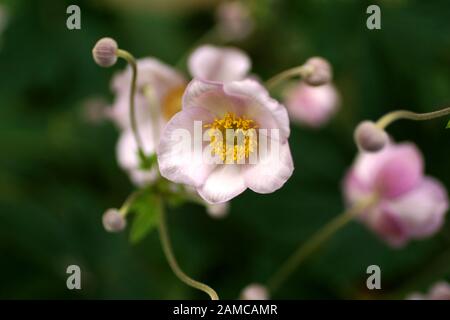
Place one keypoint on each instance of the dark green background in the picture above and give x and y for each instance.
(58, 173)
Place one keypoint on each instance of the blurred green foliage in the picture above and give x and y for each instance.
(58, 173)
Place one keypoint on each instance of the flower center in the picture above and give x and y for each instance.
(232, 138)
(171, 103)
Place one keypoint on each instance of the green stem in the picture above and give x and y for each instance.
(167, 248)
(287, 74)
(129, 202)
(316, 241)
(132, 62)
(390, 117)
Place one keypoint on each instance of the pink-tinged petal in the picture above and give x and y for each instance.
(142, 178)
(258, 105)
(218, 64)
(354, 189)
(127, 151)
(272, 170)
(402, 170)
(160, 77)
(422, 210)
(388, 226)
(312, 105)
(180, 155)
(223, 184)
(394, 170)
(119, 112)
(127, 155)
(210, 96)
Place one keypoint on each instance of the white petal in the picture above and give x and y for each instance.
(223, 184)
(421, 210)
(268, 112)
(272, 171)
(127, 151)
(208, 95)
(180, 155)
(218, 64)
(151, 72)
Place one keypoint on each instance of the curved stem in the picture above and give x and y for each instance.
(390, 117)
(282, 76)
(132, 62)
(316, 240)
(125, 208)
(167, 247)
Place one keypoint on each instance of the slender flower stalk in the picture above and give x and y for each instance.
(391, 117)
(320, 237)
(167, 248)
(287, 74)
(125, 208)
(132, 62)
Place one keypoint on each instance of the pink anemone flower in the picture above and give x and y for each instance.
(410, 206)
(242, 107)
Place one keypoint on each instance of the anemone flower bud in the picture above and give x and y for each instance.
(320, 71)
(255, 291)
(369, 137)
(113, 221)
(312, 106)
(219, 210)
(234, 20)
(104, 52)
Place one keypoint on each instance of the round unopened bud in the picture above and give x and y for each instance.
(219, 210)
(255, 291)
(104, 52)
(319, 71)
(113, 221)
(369, 137)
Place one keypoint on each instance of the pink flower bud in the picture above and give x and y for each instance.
(320, 71)
(255, 291)
(104, 52)
(113, 221)
(312, 106)
(369, 137)
(234, 20)
(219, 210)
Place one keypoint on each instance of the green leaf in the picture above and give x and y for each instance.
(147, 211)
(448, 125)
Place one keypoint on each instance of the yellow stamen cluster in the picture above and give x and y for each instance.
(242, 142)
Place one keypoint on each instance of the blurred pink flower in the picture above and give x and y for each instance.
(411, 205)
(234, 20)
(255, 291)
(312, 105)
(240, 105)
(166, 87)
(439, 291)
(161, 78)
(218, 64)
